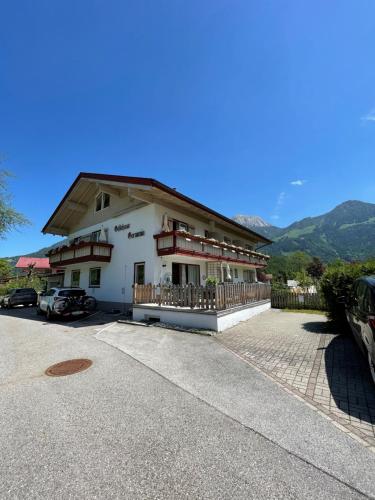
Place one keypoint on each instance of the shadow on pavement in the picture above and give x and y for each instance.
(349, 378)
(29, 313)
(347, 372)
(318, 327)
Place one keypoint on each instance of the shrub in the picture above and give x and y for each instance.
(24, 282)
(211, 281)
(337, 281)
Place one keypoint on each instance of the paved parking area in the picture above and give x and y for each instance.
(159, 414)
(326, 369)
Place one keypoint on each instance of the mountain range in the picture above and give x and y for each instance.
(346, 232)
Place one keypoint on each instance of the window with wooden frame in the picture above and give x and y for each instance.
(94, 277)
(95, 235)
(75, 277)
(248, 276)
(139, 273)
(178, 225)
(102, 201)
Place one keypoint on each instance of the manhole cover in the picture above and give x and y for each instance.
(68, 367)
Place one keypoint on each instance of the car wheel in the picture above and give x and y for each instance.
(48, 314)
(372, 367)
(39, 311)
(9, 305)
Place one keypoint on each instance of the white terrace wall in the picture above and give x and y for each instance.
(217, 321)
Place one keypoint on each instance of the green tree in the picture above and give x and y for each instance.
(9, 217)
(285, 267)
(315, 268)
(5, 269)
(298, 262)
(303, 279)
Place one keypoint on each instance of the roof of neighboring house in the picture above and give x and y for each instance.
(151, 183)
(38, 262)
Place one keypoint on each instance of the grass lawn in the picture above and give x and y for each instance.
(307, 311)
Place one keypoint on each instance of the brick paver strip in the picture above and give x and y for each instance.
(322, 368)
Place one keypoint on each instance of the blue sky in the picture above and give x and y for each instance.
(229, 101)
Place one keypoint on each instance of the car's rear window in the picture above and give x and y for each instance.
(25, 290)
(372, 298)
(72, 293)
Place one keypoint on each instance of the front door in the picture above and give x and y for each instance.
(139, 273)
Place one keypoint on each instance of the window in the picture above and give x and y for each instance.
(95, 235)
(178, 225)
(74, 277)
(94, 277)
(98, 205)
(72, 293)
(102, 201)
(183, 274)
(248, 276)
(236, 273)
(139, 273)
(106, 199)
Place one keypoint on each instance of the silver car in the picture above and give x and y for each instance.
(64, 302)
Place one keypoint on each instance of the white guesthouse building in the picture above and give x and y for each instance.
(123, 231)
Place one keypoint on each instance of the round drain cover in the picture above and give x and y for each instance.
(68, 367)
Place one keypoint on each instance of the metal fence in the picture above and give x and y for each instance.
(291, 300)
(218, 297)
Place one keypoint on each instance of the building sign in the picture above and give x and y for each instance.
(122, 227)
(136, 235)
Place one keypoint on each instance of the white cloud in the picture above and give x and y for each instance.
(279, 204)
(280, 199)
(298, 182)
(370, 117)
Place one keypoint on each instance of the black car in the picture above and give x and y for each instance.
(360, 312)
(20, 297)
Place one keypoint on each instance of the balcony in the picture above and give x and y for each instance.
(183, 243)
(84, 251)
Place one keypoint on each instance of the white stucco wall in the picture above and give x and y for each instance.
(218, 322)
(228, 320)
(117, 276)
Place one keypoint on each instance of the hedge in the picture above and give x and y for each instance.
(338, 280)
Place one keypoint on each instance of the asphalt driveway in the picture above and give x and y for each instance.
(159, 414)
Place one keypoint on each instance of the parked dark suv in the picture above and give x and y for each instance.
(20, 297)
(360, 312)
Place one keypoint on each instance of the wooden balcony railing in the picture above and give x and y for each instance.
(218, 297)
(85, 251)
(180, 242)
